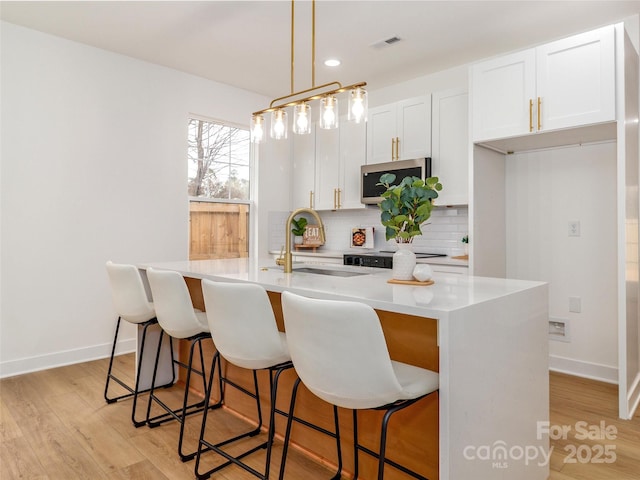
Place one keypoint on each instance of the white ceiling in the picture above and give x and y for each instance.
(247, 43)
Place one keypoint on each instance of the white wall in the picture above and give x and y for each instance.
(544, 191)
(445, 80)
(93, 167)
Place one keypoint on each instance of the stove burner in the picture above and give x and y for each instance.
(381, 259)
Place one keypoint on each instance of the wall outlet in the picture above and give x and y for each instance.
(574, 228)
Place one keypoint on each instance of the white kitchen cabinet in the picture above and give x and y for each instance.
(563, 84)
(327, 169)
(576, 80)
(450, 152)
(399, 131)
(303, 177)
(353, 148)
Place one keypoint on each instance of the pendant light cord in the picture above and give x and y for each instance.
(313, 43)
(292, 41)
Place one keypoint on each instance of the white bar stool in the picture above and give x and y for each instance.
(180, 320)
(246, 335)
(340, 354)
(131, 304)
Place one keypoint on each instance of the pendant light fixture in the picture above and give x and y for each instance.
(279, 124)
(302, 109)
(302, 118)
(329, 112)
(357, 105)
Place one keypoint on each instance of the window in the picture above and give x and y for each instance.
(218, 186)
(218, 161)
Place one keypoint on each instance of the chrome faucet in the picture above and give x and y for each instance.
(287, 260)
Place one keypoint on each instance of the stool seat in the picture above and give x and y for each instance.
(252, 362)
(191, 329)
(415, 381)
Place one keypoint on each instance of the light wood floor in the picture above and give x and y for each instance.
(56, 425)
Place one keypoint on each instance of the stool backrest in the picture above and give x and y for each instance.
(172, 301)
(243, 325)
(339, 351)
(129, 296)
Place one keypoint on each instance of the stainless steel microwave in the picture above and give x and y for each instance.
(370, 176)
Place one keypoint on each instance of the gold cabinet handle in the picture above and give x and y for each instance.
(339, 198)
(531, 114)
(393, 149)
(310, 198)
(397, 148)
(335, 198)
(539, 109)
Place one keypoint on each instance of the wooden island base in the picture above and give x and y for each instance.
(413, 432)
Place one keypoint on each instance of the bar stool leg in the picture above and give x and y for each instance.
(183, 419)
(207, 399)
(155, 372)
(143, 342)
(355, 444)
(113, 351)
(336, 420)
(383, 443)
(287, 435)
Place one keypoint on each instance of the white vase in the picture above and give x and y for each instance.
(404, 261)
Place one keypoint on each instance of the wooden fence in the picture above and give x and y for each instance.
(218, 230)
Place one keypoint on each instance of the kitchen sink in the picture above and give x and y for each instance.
(326, 271)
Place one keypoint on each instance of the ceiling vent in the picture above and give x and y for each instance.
(386, 42)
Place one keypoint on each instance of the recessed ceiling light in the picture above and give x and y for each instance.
(332, 62)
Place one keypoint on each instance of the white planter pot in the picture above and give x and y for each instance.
(404, 261)
(298, 239)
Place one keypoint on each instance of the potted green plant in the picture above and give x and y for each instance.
(297, 228)
(465, 241)
(404, 208)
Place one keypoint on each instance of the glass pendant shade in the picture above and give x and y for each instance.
(357, 105)
(329, 112)
(279, 124)
(257, 128)
(302, 119)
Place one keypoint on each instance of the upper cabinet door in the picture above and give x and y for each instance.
(353, 147)
(450, 157)
(414, 128)
(503, 91)
(399, 131)
(327, 169)
(381, 134)
(576, 80)
(303, 160)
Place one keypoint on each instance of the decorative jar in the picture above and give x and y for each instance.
(404, 261)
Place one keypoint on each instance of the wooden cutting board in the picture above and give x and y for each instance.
(410, 282)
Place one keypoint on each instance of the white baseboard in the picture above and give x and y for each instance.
(593, 371)
(11, 368)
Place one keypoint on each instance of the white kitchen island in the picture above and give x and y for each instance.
(492, 351)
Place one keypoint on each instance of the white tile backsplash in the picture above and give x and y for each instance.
(441, 234)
